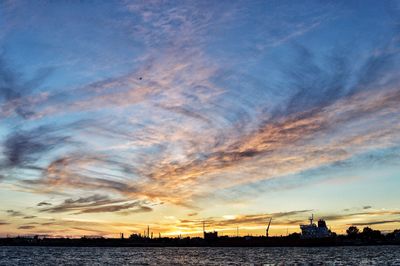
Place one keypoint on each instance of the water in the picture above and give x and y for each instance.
(372, 255)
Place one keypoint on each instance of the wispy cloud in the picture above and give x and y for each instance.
(14, 213)
(43, 203)
(97, 204)
(26, 227)
(377, 222)
(29, 217)
(24, 147)
(170, 158)
(367, 213)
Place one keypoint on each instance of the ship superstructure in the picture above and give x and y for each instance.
(313, 231)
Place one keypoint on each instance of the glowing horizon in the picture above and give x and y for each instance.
(119, 115)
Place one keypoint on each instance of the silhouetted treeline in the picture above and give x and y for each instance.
(369, 234)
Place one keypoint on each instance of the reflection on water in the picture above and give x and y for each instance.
(378, 255)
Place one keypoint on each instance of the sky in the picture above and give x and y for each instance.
(118, 115)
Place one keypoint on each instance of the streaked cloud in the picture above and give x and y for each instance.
(377, 222)
(43, 203)
(25, 227)
(29, 217)
(14, 213)
(286, 140)
(97, 204)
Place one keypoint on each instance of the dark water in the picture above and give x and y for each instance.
(372, 255)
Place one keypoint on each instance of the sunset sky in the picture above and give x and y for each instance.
(115, 115)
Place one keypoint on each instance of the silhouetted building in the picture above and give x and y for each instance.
(313, 231)
(210, 235)
(135, 237)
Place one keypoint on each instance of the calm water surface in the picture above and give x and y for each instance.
(372, 255)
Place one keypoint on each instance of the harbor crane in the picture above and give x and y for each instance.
(269, 223)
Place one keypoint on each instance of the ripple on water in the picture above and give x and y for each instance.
(371, 255)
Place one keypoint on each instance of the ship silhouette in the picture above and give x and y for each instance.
(310, 231)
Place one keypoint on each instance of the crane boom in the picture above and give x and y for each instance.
(269, 223)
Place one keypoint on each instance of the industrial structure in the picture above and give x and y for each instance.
(267, 230)
(209, 235)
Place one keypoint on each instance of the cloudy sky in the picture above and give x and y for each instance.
(115, 115)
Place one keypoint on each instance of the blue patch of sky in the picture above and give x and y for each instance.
(372, 164)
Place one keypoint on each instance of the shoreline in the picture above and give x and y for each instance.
(256, 242)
